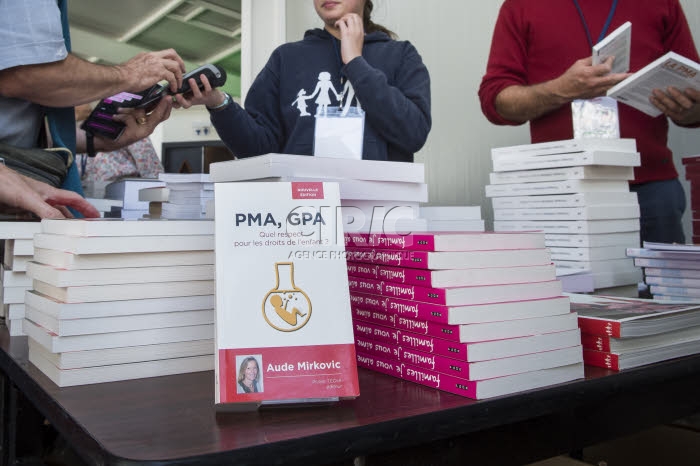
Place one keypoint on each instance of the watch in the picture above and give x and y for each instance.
(222, 105)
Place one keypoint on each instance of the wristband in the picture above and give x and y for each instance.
(222, 105)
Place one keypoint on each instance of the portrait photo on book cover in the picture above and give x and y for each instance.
(249, 379)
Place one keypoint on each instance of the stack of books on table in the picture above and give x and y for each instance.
(577, 192)
(121, 299)
(692, 174)
(476, 314)
(127, 190)
(188, 194)
(18, 249)
(452, 218)
(375, 195)
(104, 205)
(671, 271)
(621, 333)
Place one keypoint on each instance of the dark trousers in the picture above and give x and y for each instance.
(662, 204)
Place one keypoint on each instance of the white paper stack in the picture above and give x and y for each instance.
(188, 194)
(18, 251)
(121, 299)
(671, 271)
(127, 190)
(577, 192)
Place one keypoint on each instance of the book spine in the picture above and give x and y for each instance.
(442, 382)
(415, 242)
(598, 326)
(376, 363)
(403, 275)
(435, 363)
(417, 326)
(394, 258)
(395, 290)
(404, 339)
(378, 348)
(373, 316)
(595, 342)
(601, 359)
(402, 308)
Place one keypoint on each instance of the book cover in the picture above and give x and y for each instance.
(453, 278)
(599, 212)
(668, 70)
(123, 244)
(457, 296)
(118, 276)
(121, 227)
(71, 261)
(627, 239)
(60, 310)
(452, 241)
(99, 293)
(621, 361)
(57, 344)
(504, 163)
(565, 146)
(564, 200)
(584, 172)
(283, 322)
(273, 165)
(125, 355)
(382, 307)
(569, 226)
(617, 44)
(449, 259)
(628, 317)
(556, 187)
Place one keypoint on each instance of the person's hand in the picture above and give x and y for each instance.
(681, 107)
(352, 36)
(139, 124)
(21, 192)
(583, 80)
(211, 97)
(149, 68)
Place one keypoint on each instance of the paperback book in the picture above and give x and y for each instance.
(564, 200)
(283, 322)
(627, 360)
(447, 241)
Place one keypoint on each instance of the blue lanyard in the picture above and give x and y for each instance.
(604, 32)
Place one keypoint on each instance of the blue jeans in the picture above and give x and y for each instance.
(662, 204)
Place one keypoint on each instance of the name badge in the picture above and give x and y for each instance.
(596, 118)
(339, 133)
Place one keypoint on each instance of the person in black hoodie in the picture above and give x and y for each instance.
(351, 61)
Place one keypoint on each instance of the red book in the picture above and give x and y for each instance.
(453, 278)
(690, 160)
(460, 295)
(447, 241)
(471, 314)
(449, 259)
(629, 317)
(601, 359)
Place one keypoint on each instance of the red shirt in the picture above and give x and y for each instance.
(538, 40)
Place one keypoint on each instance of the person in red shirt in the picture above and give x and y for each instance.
(540, 62)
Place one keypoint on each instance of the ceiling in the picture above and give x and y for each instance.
(201, 31)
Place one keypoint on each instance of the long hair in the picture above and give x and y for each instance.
(244, 364)
(371, 26)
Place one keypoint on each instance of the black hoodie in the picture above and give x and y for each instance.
(389, 80)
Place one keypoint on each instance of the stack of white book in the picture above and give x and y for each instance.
(121, 299)
(127, 190)
(104, 205)
(577, 192)
(476, 314)
(17, 252)
(671, 271)
(375, 195)
(188, 194)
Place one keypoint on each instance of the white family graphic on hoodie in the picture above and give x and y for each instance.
(322, 92)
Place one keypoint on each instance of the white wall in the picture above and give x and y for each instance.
(454, 37)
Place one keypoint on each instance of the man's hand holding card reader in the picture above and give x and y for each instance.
(100, 121)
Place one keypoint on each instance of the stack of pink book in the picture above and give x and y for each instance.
(478, 314)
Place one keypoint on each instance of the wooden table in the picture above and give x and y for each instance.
(171, 420)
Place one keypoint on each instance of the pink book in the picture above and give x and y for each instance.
(453, 278)
(479, 389)
(449, 259)
(448, 241)
(455, 315)
(464, 295)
